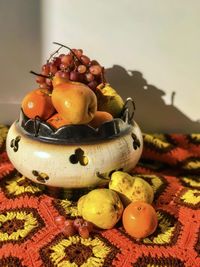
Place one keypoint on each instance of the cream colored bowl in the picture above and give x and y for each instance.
(73, 165)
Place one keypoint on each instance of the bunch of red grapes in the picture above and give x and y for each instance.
(74, 66)
(77, 226)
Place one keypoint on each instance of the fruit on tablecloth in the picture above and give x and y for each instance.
(139, 219)
(102, 207)
(57, 121)
(109, 100)
(131, 188)
(75, 102)
(99, 118)
(59, 220)
(69, 229)
(38, 103)
(72, 227)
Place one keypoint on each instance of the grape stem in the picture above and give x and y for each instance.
(54, 54)
(69, 50)
(38, 74)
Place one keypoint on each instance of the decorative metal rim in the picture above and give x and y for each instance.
(82, 134)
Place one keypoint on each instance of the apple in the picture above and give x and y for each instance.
(75, 102)
(38, 103)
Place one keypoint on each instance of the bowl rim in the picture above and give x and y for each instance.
(40, 130)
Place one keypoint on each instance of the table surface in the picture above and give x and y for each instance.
(30, 237)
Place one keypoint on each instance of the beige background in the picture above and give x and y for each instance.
(150, 47)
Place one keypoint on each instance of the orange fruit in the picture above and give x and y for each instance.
(139, 219)
(57, 121)
(38, 103)
(99, 118)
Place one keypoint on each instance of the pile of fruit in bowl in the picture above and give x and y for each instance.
(72, 90)
(74, 129)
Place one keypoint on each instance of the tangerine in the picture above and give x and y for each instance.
(139, 219)
(38, 103)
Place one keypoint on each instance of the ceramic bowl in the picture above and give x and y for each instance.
(76, 156)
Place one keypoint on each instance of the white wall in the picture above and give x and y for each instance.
(20, 51)
(160, 39)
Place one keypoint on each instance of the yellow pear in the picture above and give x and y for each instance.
(102, 207)
(131, 189)
(109, 100)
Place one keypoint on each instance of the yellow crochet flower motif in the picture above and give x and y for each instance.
(20, 185)
(157, 140)
(89, 252)
(191, 182)
(191, 196)
(69, 207)
(192, 164)
(3, 131)
(165, 233)
(196, 137)
(27, 220)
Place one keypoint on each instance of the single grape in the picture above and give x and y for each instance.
(95, 69)
(94, 62)
(78, 223)
(48, 82)
(92, 85)
(46, 68)
(59, 73)
(45, 72)
(84, 232)
(53, 69)
(85, 60)
(89, 77)
(43, 85)
(74, 50)
(63, 66)
(61, 55)
(62, 74)
(57, 61)
(74, 76)
(69, 222)
(78, 52)
(81, 68)
(66, 59)
(59, 220)
(40, 79)
(69, 230)
(89, 225)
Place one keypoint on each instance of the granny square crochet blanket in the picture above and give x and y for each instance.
(29, 236)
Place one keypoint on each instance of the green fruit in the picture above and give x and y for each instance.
(102, 207)
(109, 100)
(131, 189)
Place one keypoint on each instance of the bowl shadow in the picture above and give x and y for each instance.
(152, 113)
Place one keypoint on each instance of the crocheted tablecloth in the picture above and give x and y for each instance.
(30, 237)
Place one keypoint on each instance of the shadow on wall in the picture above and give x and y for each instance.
(152, 113)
